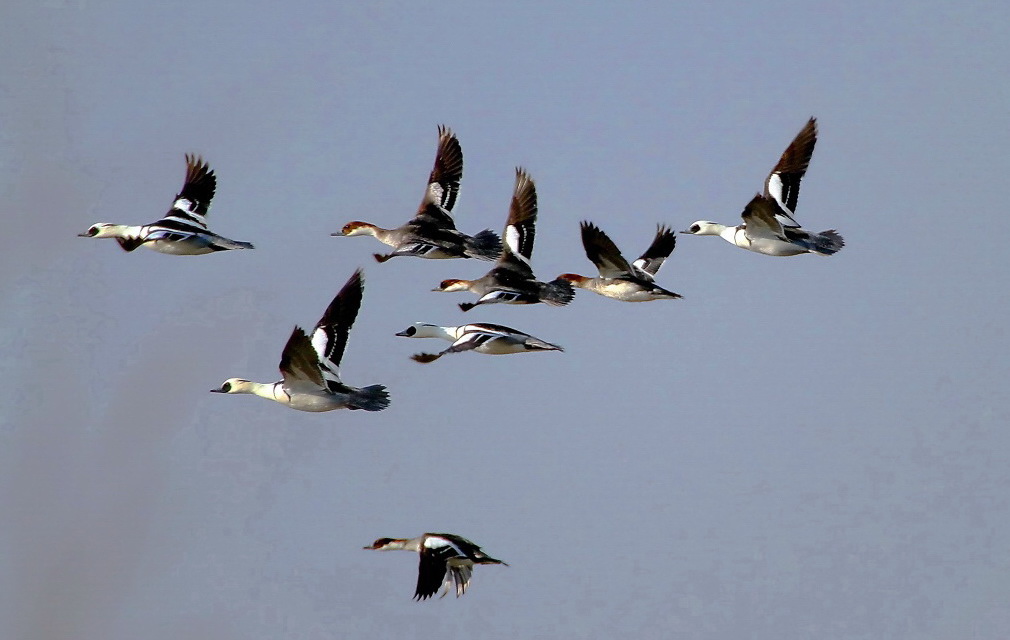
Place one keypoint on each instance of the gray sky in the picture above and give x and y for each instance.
(800, 448)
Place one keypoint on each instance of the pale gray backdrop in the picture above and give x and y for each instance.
(800, 448)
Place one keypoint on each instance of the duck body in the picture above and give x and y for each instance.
(315, 400)
(486, 338)
(432, 241)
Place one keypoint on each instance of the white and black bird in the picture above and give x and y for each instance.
(446, 560)
(491, 339)
(310, 364)
(183, 231)
(511, 281)
(768, 224)
(620, 279)
(432, 232)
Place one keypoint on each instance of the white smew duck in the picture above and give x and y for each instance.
(492, 339)
(310, 364)
(183, 231)
(768, 225)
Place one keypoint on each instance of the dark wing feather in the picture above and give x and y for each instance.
(520, 229)
(602, 252)
(431, 570)
(330, 336)
(660, 249)
(783, 183)
(299, 361)
(443, 182)
(191, 204)
(760, 218)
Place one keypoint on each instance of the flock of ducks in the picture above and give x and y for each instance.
(310, 362)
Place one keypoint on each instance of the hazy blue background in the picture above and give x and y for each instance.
(800, 448)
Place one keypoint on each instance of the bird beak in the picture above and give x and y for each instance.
(338, 234)
(217, 391)
(403, 334)
(83, 235)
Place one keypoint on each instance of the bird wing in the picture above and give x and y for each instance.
(473, 338)
(330, 335)
(443, 182)
(520, 229)
(660, 249)
(783, 183)
(602, 251)
(300, 363)
(431, 571)
(760, 220)
(189, 211)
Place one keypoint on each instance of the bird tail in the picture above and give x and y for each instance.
(536, 344)
(557, 292)
(827, 242)
(486, 245)
(224, 244)
(370, 398)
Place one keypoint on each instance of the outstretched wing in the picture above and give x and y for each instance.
(520, 229)
(189, 211)
(657, 253)
(783, 183)
(602, 251)
(443, 182)
(330, 335)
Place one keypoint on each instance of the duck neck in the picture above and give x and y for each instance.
(271, 391)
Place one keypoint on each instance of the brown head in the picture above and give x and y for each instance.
(453, 284)
(572, 278)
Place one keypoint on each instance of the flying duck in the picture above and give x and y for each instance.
(310, 364)
(183, 231)
(768, 224)
(619, 279)
(492, 339)
(511, 281)
(432, 233)
(446, 559)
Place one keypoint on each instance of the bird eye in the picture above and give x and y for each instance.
(411, 331)
(227, 387)
(92, 231)
(695, 228)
